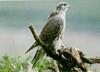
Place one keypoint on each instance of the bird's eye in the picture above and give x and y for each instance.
(64, 4)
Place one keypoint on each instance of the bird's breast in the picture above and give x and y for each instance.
(62, 17)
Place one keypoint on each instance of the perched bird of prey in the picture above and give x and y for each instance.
(53, 31)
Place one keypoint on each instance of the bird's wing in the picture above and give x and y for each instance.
(32, 47)
(52, 29)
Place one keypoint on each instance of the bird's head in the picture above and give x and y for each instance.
(62, 6)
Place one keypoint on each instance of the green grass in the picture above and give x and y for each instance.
(20, 64)
(13, 64)
(44, 64)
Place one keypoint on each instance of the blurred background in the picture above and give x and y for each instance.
(82, 25)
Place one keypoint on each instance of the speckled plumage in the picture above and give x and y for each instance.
(52, 31)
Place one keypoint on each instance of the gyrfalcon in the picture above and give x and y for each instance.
(53, 31)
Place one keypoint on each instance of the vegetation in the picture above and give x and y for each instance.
(43, 65)
(20, 64)
(13, 64)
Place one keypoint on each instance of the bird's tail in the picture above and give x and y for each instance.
(39, 54)
(33, 46)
